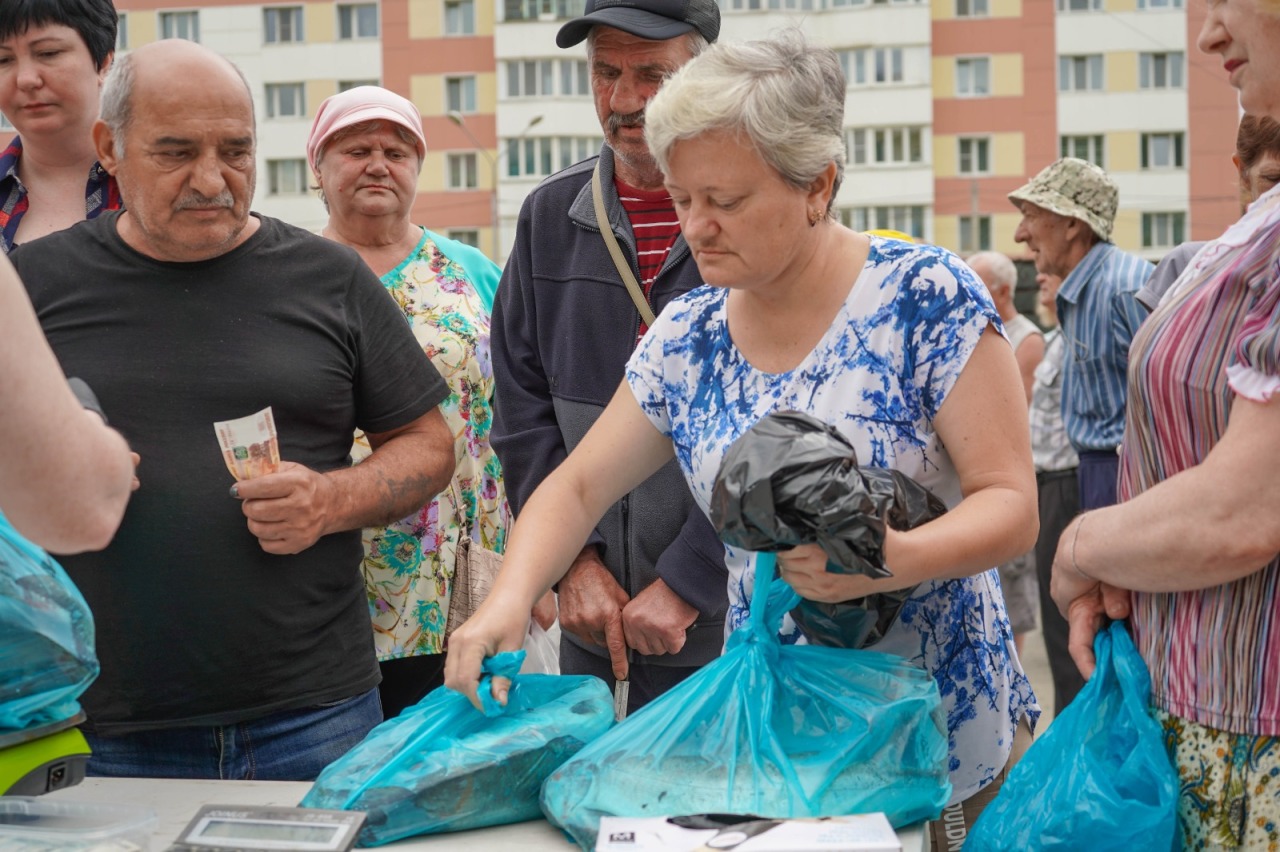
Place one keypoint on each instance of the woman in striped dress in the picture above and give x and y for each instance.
(1192, 554)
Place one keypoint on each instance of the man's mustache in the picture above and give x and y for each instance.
(617, 122)
(196, 200)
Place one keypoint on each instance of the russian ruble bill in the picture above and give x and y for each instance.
(249, 445)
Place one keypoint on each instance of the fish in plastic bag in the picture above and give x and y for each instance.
(47, 656)
(768, 729)
(792, 479)
(1099, 778)
(442, 765)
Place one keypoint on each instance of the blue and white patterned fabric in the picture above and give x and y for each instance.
(879, 375)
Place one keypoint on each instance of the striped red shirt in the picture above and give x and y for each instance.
(654, 223)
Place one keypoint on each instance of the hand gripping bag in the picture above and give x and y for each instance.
(47, 657)
(1099, 778)
(769, 730)
(792, 479)
(442, 765)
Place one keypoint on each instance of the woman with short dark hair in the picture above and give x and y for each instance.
(54, 55)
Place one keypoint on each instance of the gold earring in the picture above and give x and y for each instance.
(815, 216)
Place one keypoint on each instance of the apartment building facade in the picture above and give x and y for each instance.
(950, 104)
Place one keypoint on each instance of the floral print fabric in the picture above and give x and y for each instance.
(879, 375)
(1229, 785)
(408, 565)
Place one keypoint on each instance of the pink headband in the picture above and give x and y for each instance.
(363, 103)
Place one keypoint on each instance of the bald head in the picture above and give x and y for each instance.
(172, 70)
(177, 133)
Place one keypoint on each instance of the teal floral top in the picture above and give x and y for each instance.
(408, 565)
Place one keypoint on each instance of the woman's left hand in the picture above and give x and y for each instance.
(1085, 603)
(805, 570)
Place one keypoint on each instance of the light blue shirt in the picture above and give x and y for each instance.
(1099, 315)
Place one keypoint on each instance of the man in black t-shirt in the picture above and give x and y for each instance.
(233, 630)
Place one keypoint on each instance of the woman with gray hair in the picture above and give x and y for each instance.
(894, 344)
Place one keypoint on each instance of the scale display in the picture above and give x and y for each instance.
(245, 828)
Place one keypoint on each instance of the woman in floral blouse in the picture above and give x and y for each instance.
(366, 148)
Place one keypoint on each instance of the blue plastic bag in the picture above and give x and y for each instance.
(771, 730)
(47, 657)
(442, 765)
(1099, 778)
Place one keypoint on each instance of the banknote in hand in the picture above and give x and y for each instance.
(249, 445)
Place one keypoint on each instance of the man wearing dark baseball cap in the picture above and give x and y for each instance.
(656, 20)
(565, 321)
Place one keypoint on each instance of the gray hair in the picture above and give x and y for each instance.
(116, 110)
(695, 41)
(784, 94)
(1001, 267)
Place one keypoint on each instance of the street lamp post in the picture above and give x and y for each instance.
(458, 119)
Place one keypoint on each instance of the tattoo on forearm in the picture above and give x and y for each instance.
(397, 496)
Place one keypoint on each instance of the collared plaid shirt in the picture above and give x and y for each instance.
(100, 194)
(1099, 314)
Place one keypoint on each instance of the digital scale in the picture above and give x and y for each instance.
(250, 828)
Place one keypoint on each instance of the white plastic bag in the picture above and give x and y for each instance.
(542, 649)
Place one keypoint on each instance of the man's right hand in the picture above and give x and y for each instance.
(591, 603)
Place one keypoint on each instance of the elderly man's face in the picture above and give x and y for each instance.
(626, 72)
(187, 168)
(1048, 236)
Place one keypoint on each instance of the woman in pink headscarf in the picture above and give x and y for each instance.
(366, 149)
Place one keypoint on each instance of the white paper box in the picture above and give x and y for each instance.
(860, 833)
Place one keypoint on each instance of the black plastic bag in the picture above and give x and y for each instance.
(792, 479)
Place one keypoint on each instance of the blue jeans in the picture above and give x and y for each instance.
(293, 745)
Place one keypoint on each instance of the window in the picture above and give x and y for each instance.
(973, 77)
(974, 155)
(542, 155)
(1080, 73)
(574, 77)
(1160, 70)
(286, 100)
(345, 85)
(122, 31)
(459, 17)
(885, 145)
(460, 94)
(1079, 5)
(532, 10)
(975, 233)
(972, 9)
(872, 66)
(357, 20)
(1163, 230)
(530, 78)
(462, 171)
(909, 219)
(1083, 147)
(282, 25)
(180, 25)
(286, 177)
(1162, 150)
(466, 236)
(1159, 4)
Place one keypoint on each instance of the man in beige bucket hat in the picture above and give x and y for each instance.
(1067, 214)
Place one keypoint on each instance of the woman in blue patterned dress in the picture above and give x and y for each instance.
(366, 149)
(896, 345)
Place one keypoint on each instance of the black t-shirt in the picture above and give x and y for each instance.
(196, 625)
